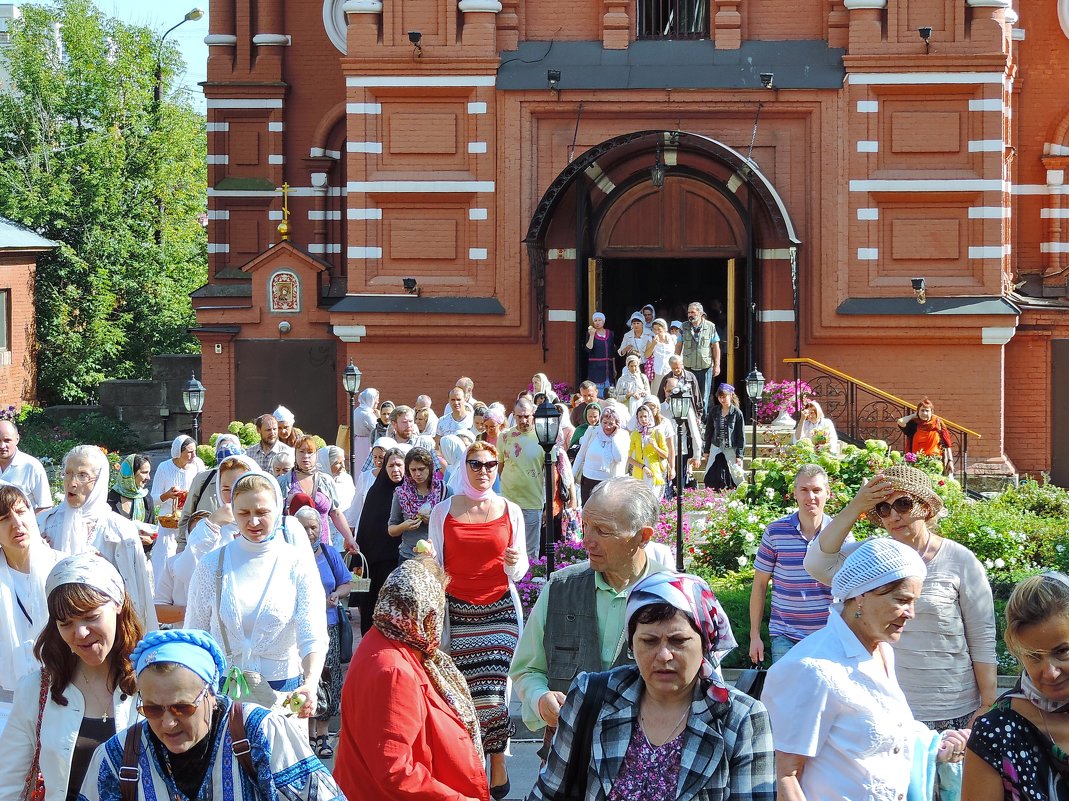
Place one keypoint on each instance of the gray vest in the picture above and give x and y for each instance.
(571, 638)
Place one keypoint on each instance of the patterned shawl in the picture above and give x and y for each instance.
(411, 610)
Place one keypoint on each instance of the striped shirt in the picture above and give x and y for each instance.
(799, 602)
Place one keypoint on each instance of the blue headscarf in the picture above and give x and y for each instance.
(190, 648)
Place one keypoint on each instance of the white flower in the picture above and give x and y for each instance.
(1000, 563)
(988, 564)
(742, 560)
(1059, 548)
(734, 504)
(751, 518)
(771, 493)
(749, 537)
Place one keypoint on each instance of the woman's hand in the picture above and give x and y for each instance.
(511, 556)
(952, 748)
(876, 489)
(310, 695)
(414, 523)
(172, 492)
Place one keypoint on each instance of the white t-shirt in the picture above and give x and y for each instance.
(29, 475)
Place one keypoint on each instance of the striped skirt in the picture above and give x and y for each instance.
(483, 639)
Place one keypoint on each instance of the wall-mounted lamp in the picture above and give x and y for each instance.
(553, 76)
(766, 79)
(415, 37)
(926, 35)
(284, 327)
(918, 290)
(410, 285)
(657, 171)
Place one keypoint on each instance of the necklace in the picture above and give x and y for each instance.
(94, 694)
(671, 733)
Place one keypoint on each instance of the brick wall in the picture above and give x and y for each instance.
(17, 378)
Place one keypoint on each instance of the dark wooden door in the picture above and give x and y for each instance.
(1059, 423)
(300, 374)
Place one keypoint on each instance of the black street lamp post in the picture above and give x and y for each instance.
(193, 402)
(350, 379)
(679, 401)
(547, 426)
(755, 388)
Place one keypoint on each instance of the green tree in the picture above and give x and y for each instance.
(88, 159)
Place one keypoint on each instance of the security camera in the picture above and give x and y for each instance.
(766, 79)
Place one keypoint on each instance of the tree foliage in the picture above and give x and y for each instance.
(90, 160)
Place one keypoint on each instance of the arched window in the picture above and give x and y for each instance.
(284, 292)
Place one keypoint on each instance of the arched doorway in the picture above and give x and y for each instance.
(717, 224)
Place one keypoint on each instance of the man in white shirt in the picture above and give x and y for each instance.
(459, 417)
(21, 469)
(269, 443)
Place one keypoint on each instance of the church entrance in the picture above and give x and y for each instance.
(623, 285)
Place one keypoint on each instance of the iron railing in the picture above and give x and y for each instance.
(673, 19)
(861, 411)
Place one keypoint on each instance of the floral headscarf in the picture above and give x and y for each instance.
(126, 485)
(691, 596)
(408, 496)
(411, 610)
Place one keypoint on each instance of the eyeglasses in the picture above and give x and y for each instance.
(155, 711)
(903, 506)
(478, 467)
(81, 478)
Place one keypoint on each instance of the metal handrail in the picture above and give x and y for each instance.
(861, 411)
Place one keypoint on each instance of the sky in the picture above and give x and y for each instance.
(161, 15)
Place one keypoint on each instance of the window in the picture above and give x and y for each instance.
(5, 320)
(673, 19)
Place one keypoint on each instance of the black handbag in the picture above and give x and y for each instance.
(573, 787)
(752, 681)
(345, 636)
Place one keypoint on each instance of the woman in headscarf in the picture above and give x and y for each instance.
(667, 726)
(602, 452)
(85, 522)
(375, 542)
(319, 486)
(202, 491)
(478, 537)
(191, 746)
(638, 342)
(84, 690)
(409, 727)
(649, 456)
(258, 595)
(129, 491)
(632, 387)
(724, 441)
(25, 561)
(664, 347)
(1017, 750)
(170, 487)
(368, 473)
(452, 450)
(840, 722)
(493, 424)
(421, 490)
(382, 424)
(591, 418)
(365, 418)
(331, 462)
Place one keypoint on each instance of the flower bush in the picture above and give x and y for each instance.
(50, 438)
(782, 396)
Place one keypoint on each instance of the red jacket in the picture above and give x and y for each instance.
(399, 738)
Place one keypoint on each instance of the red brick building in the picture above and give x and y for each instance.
(818, 155)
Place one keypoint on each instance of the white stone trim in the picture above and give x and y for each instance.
(989, 251)
(478, 254)
(321, 249)
(476, 6)
(272, 40)
(350, 333)
(275, 127)
(1038, 189)
(371, 81)
(474, 148)
(1054, 214)
(218, 214)
(987, 104)
(420, 186)
(363, 108)
(988, 3)
(363, 147)
(1051, 149)
(225, 39)
(926, 185)
(477, 107)
(244, 102)
(868, 214)
(776, 316)
(295, 191)
(734, 182)
(218, 127)
(996, 335)
(774, 254)
(868, 254)
(274, 214)
(218, 159)
(363, 214)
(276, 158)
(477, 214)
(868, 106)
(986, 145)
(560, 315)
(600, 179)
(218, 247)
(324, 214)
(355, 252)
(1055, 177)
(868, 146)
(919, 78)
(989, 213)
(362, 7)
(1054, 247)
(862, 4)
(560, 254)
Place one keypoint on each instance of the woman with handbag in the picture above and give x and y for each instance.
(84, 691)
(479, 538)
(259, 596)
(195, 743)
(666, 726)
(336, 580)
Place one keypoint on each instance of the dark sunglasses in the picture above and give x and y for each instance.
(477, 466)
(903, 506)
(155, 711)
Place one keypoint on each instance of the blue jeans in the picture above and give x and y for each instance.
(780, 646)
(532, 524)
(705, 381)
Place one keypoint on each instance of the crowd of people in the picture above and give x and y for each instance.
(184, 631)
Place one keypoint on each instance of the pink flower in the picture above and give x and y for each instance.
(911, 457)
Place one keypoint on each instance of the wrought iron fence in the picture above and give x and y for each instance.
(673, 19)
(861, 411)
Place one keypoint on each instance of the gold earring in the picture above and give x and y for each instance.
(857, 612)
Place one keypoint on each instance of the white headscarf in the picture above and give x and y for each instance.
(179, 443)
(283, 415)
(89, 569)
(247, 462)
(325, 455)
(382, 442)
(278, 501)
(65, 526)
(368, 397)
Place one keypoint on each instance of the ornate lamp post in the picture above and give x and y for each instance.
(193, 401)
(679, 401)
(350, 379)
(547, 426)
(755, 388)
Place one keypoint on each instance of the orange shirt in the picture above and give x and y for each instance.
(475, 558)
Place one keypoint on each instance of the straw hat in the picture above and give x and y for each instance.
(917, 484)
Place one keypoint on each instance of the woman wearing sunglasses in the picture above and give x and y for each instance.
(945, 659)
(191, 746)
(478, 537)
(84, 691)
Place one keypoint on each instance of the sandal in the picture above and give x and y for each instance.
(324, 751)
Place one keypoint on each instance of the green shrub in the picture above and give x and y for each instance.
(49, 439)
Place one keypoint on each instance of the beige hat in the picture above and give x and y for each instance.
(915, 483)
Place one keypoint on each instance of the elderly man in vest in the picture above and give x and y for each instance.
(577, 624)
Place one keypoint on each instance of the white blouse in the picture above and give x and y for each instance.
(662, 352)
(602, 457)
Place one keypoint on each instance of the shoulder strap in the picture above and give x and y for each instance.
(33, 775)
(239, 740)
(575, 772)
(130, 772)
(200, 490)
(219, 604)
